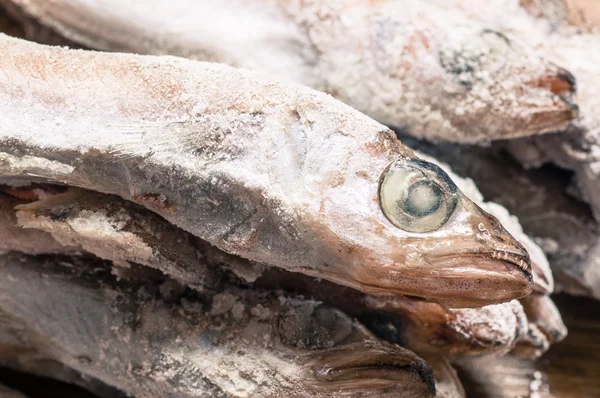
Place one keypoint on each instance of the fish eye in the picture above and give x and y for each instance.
(417, 196)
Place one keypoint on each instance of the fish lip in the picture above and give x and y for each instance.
(387, 365)
(353, 366)
(568, 77)
(377, 377)
(574, 107)
(520, 260)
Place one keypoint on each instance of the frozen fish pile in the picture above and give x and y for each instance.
(210, 198)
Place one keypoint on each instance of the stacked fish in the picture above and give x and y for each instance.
(173, 227)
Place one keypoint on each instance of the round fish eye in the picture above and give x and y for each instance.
(417, 196)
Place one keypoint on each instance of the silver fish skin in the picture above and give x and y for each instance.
(275, 173)
(231, 343)
(426, 68)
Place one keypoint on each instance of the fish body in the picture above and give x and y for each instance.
(125, 233)
(231, 343)
(428, 69)
(275, 173)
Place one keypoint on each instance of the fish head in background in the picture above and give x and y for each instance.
(390, 223)
(455, 79)
(260, 344)
(339, 355)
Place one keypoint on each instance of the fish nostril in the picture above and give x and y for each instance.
(483, 230)
(495, 231)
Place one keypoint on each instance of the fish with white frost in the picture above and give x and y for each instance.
(425, 68)
(272, 172)
(246, 343)
(125, 233)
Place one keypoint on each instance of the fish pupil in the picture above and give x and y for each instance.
(423, 198)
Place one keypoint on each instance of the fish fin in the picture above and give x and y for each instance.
(148, 138)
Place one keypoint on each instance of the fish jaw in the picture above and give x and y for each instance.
(461, 280)
(339, 354)
(457, 282)
(486, 267)
(470, 261)
(485, 281)
(374, 366)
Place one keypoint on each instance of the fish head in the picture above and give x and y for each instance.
(398, 225)
(503, 90)
(339, 354)
(465, 82)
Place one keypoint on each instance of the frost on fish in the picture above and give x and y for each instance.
(581, 13)
(425, 68)
(131, 336)
(425, 327)
(546, 327)
(116, 230)
(430, 328)
(12, 237)
(272, 172)
(421, 326)
(579, 149)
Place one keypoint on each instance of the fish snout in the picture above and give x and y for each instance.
(502, 245)
(561, 82)
(383, 368)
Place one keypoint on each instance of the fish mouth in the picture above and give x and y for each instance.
(476, 278)
(491, 260)
(372, 365)
(560, 83)
(456, 279)
(520, 260)
(378, 367)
